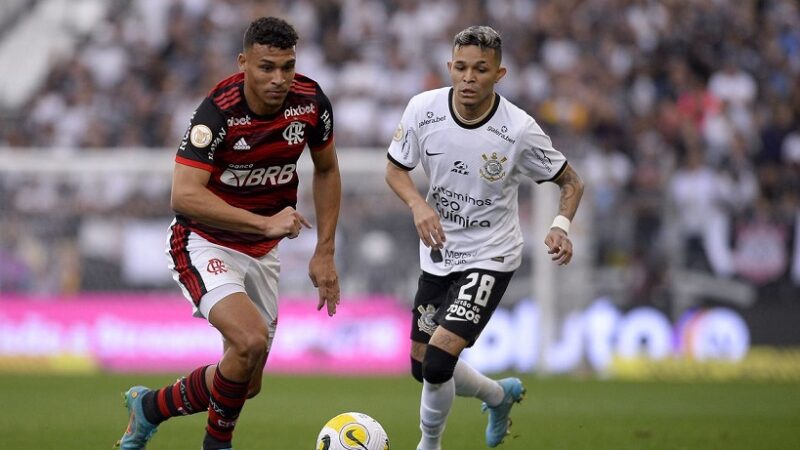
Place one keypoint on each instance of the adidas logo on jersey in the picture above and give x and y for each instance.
(241, 144)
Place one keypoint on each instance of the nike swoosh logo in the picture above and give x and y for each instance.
(326, 443)
(456, 319)
(351, 435)
(427, 152)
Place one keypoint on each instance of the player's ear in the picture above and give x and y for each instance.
(501, 72)
(449, 66)
(241, 60)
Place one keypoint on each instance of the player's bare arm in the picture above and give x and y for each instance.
(427, 222)
(192, 198)
(327, 191)
(558, 243)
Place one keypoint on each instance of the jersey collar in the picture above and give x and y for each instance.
(472, 126)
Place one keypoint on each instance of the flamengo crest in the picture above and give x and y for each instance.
(294, 133)
(216, 266)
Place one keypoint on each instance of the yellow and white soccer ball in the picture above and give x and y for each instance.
(352, 431)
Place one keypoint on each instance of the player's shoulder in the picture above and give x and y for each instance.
(432, 100)
(304, 85)
(430, 97)
(227, 92)
(517, 117)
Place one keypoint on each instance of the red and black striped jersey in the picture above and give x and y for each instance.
(253, 158)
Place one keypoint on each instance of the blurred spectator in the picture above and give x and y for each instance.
(635, 85)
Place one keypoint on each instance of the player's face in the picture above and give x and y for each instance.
(268, 74)
(474, 71)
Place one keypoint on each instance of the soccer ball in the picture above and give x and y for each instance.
(352, 431)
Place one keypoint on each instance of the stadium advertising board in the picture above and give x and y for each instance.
(132, 334)
(369, 336)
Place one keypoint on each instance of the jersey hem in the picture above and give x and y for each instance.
(558, 174)
(399, 164)
(193, 163)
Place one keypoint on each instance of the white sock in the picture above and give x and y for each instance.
(433, 410)
(471, 383)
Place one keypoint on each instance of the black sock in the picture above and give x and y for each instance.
(150, 408)
(209, 443)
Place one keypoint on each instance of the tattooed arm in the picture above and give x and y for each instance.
(571, 192)
(558, 244)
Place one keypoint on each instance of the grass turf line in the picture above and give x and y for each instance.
(80, 412)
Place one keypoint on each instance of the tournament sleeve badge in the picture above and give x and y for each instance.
(200, 136)
(398, 133)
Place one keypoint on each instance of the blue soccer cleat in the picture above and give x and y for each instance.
(497, 429)
(139, 430)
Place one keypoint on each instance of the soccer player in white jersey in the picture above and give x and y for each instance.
(475, 146)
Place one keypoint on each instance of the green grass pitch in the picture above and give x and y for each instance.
(85, 412)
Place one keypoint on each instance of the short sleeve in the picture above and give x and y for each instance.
(404, 148)
(206, 131)
(322, 134)
(540, 161)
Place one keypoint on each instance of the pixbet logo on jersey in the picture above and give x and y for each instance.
(237, 121)
(273, 176)
(292, 111)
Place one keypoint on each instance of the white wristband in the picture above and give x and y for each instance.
(561, 222)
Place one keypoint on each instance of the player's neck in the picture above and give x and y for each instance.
(472, 115)
(257, 106)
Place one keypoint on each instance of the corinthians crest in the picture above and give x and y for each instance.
(492, 169)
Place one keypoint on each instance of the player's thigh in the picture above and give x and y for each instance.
(205, 272)
(431, 294)
(261, 284)
(470, 303)
(237, 319)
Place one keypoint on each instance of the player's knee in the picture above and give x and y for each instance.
(416, 370)
(250, 349)
(438, 365)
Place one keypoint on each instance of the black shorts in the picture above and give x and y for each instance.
(461, 302)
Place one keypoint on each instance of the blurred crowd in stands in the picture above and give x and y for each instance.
(683, 116)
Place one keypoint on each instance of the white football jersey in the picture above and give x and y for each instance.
(474, 172)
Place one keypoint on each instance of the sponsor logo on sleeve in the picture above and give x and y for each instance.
(326, 121)
(547, 163)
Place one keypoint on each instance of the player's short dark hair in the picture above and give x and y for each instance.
(483, 36)
(270, 31)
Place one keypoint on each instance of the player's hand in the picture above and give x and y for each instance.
(287, 223)
(429, 226)
(559, 246)
(322, 271)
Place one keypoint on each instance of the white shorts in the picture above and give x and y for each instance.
(207, 273)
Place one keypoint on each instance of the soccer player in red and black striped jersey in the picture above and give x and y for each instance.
(234, 192)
